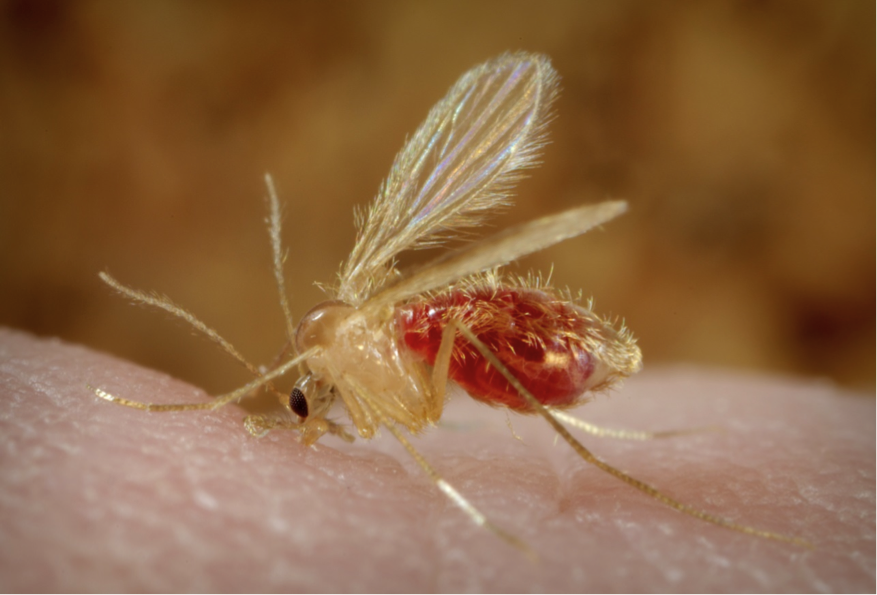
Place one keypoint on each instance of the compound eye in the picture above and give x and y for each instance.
(298, 403)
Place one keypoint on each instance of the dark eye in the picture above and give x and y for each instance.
(298, 403)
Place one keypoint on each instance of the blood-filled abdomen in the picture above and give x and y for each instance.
(546, 341)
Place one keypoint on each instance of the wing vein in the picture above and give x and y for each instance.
(458, 166)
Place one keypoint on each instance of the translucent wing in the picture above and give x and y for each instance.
(498, 250)
(460, 164)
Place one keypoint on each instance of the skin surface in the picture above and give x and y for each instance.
(96, 497)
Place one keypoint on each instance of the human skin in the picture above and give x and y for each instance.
(98, 497)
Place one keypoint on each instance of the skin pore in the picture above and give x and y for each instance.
(98, 497)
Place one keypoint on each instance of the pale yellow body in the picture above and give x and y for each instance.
(360, 361)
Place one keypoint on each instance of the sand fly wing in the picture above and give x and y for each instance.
(498, 250)
(460, 164)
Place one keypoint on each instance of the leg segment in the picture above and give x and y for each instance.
(442, 364)
(216, 403)
(623, 434)
(373, 404)
(585, 454)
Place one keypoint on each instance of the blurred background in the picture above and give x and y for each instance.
(134, 137)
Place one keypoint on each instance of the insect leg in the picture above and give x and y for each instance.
(217, 402)
(373, 404)
(585, 454)
(623, 434)
(441, 367)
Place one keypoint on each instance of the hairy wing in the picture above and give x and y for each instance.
(498, 250)
(460, 164)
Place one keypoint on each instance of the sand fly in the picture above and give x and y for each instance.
(387, 342)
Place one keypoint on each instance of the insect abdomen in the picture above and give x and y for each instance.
(543, 339)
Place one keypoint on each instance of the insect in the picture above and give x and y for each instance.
(387, 343)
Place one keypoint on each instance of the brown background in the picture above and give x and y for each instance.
(134, 137)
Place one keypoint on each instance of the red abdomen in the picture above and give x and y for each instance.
(539, 336)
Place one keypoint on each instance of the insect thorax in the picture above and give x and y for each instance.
(360, 357)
